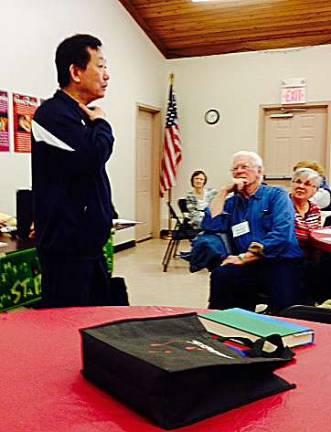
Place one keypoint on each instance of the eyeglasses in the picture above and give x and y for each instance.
(242, 168)
(305, 184)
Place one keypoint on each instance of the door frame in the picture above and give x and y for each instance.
(156, 158)
(325, 104)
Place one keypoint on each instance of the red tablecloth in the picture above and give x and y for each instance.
(42, 390)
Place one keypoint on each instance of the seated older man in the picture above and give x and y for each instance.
(260, 220)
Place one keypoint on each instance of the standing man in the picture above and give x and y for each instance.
(71, 144)
(260, 220)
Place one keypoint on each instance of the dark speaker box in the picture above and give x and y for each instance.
(24, 212)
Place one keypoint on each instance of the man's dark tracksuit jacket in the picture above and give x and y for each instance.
(72, 195)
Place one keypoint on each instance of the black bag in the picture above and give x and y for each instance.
(174, 372)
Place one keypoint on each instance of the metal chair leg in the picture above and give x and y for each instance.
(176, 248)
(168, 254)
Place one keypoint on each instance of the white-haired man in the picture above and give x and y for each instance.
(260, 220)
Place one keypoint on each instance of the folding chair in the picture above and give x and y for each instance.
(182, 231)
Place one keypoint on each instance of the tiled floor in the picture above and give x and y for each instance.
(149, 285)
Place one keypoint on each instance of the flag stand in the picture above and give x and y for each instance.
(166, 234)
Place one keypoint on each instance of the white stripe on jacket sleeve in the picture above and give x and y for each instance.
(41, 134)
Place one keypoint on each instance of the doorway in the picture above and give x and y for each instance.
(289, 134)
(148, 151)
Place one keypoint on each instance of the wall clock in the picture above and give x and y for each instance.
(212, 116)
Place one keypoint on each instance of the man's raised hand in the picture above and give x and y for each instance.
(93, 112)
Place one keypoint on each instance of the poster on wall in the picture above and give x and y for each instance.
(24, 108)
(4, 126)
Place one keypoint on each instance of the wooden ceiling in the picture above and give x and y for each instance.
(181, 28)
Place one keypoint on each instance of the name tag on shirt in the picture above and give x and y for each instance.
(240, 229)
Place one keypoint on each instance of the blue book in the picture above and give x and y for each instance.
(238, 322)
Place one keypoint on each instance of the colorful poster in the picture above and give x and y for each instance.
(4, 126)
(24, 108)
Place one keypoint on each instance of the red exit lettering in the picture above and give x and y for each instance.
(294, 95)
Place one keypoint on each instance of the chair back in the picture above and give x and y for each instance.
(182, 205)
(172, 213)
(183, 229)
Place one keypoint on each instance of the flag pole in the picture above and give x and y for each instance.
(172, 149)
(171, 80)
(169, 215)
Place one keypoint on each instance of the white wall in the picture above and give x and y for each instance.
(236, 84)
(31, 32)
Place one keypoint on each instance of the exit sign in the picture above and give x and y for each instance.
(293, 91)
(293, 95)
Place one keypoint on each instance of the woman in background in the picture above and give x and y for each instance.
(322, 197)
(305, 183)
(199, 198)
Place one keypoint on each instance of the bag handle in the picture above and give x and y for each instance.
(270, 346)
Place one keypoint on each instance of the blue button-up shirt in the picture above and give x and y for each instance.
(270, 215)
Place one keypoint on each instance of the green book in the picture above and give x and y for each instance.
(238, 322)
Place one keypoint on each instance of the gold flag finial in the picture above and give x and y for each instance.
(172, 78)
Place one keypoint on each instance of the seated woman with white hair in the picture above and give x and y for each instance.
(322, 197)
(305, 183)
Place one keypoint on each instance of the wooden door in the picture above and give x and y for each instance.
(290, 135)
(144, 175)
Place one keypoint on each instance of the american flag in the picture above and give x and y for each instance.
(172, 152)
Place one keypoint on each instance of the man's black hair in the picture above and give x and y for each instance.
(73, 50)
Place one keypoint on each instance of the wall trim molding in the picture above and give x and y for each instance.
(125, 245)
